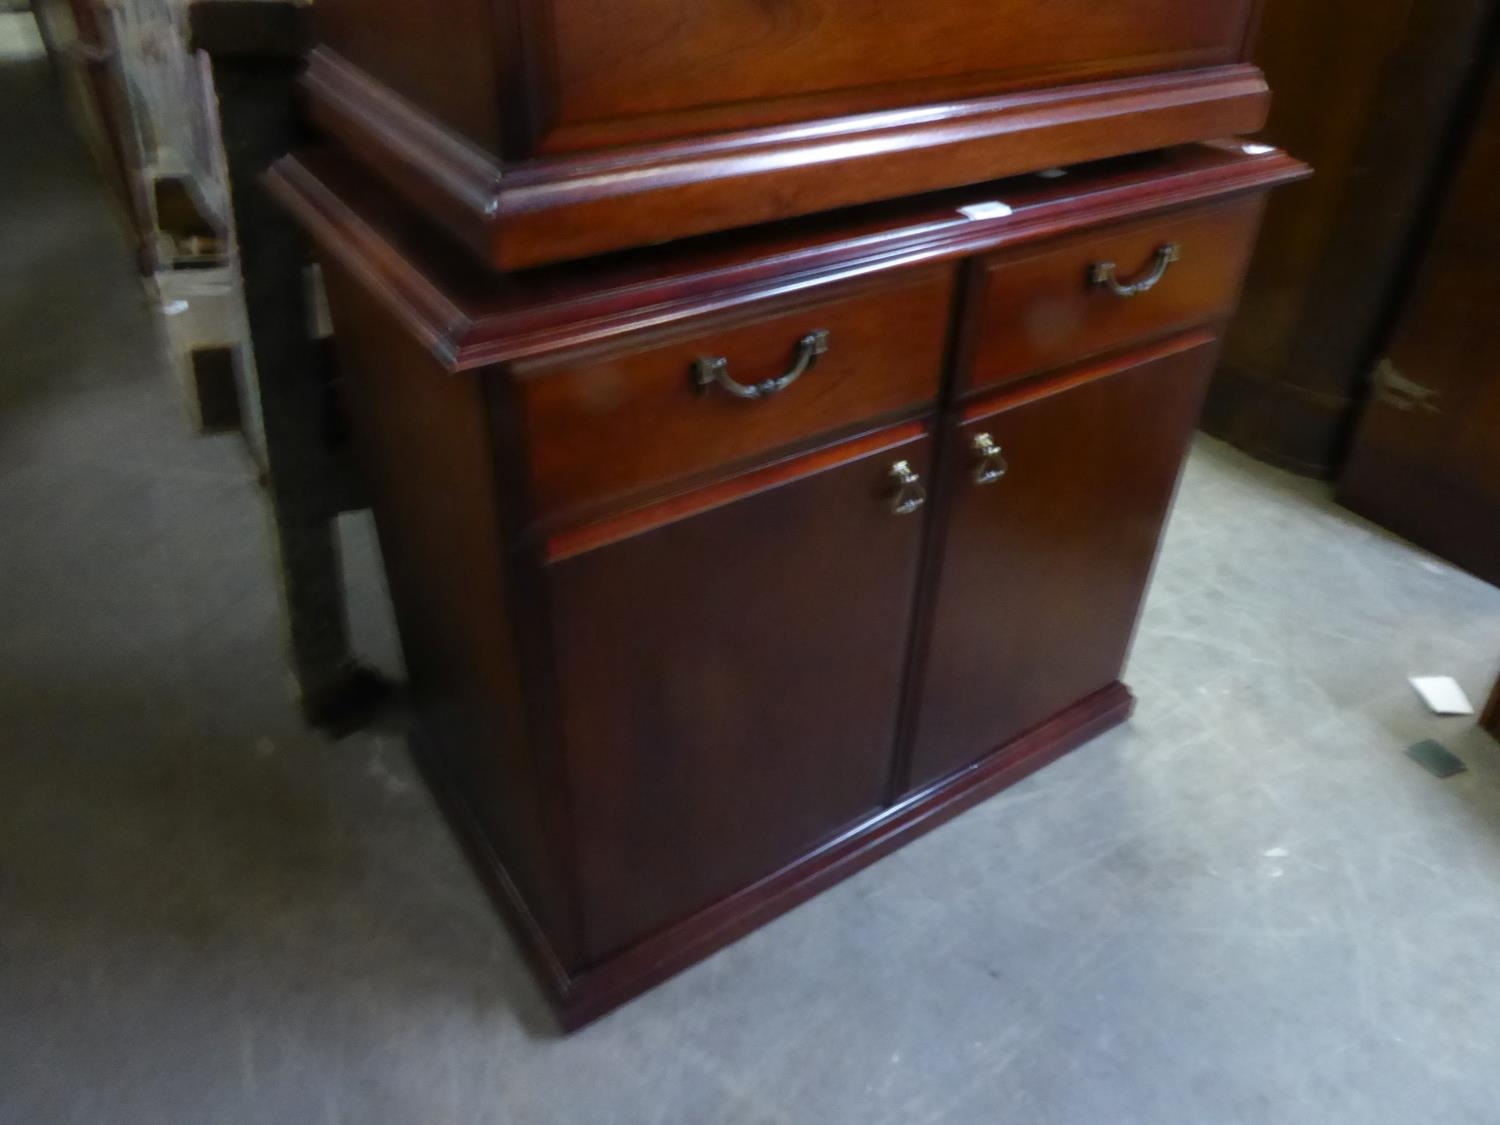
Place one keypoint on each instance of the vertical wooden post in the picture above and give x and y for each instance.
(256, 49)
(1490, 720)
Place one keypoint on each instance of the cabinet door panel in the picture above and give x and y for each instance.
(1042, 571)
(728, 679)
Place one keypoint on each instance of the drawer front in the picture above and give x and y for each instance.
(607, 428)
(673, 67)
(1111, 287)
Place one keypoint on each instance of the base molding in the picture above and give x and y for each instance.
(550, 208)
(1439, 515)
(583, 996)
(1294, 428)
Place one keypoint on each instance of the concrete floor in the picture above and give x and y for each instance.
(1247, 906)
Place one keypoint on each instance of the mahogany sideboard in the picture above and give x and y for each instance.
(724, 568)
(539, 130)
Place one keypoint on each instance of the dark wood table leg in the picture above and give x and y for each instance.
(1490, 721)
(256, 48)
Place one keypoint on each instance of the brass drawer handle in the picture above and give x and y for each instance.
(909, 495)
(991, 465)
(708, 370)
(1103, 273)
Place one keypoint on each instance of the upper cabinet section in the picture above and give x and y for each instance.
(544, 130)
(670, 68)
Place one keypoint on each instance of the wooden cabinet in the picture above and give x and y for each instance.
(771, 411)
(1425, 460)
(83, 43)
(1373, 93)
(724, 570)
(1056, 498)
(544, 130)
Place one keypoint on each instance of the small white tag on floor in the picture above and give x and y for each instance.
(1443, 695)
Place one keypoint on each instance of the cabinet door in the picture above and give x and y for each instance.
(1047, 548)
(729, 667)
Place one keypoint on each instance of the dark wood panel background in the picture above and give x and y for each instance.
(1426, 458)
(1370, 92)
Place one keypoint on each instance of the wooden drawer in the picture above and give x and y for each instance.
(1040, 310)
(600, 428)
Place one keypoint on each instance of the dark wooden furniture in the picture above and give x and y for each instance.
(1490, 720)
(81, 43)
(298, 436)
(1426, 459)
(541, 130)
(724, 569)
(1371, 92)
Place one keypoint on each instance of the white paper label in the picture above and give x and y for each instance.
(1443, 695)
(993, 210)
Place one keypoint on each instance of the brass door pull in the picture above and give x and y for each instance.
(1103, 274)
(909, 495)
(991, 465)
(708, 370)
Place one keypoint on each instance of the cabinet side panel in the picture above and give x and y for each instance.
(446, 62)
(426, 447)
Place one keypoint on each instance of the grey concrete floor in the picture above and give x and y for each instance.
(1246, 906)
